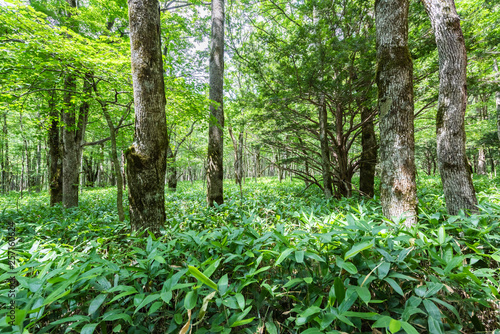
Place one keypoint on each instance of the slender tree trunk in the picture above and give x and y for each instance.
(368, 154)
(456, 177)
(116, 163)
(395, 101)
(55, 154)
(171, 170)
(215, 172)
(481, 162)
(497, 99)
(6, 176)
(325, 150)
(38, 179)
(146, 158)
(73, 134)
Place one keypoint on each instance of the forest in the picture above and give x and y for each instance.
(250, 166)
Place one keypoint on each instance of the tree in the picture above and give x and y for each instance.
(395, 101)
(450, 129)
(146, 158)
(215, 172)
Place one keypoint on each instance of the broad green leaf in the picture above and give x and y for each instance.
(88, 329)
(395, 286)
(96, 303)
(299, 256)
(190, 300)
(394, 326)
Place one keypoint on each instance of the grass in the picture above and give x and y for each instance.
(278, 260)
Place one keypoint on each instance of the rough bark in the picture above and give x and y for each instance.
(215, 172)
(116, 163)
(368, 154)
(456, 177)
(72, 136)
(395, 102)
(146, 158)
(55, 154)
(325, 150)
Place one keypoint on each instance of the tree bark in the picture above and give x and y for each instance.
(325, 150)
(72, 135)
(116, 163)
(146, 158)
(171, 170)
(395, 101)
(481, 162)
(55, 154)
(497, 99)
(6, 165)
(215, 172)
(456, 177)
(368, 154)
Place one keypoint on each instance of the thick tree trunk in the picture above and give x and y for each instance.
(458, 189)
(325, 150)
(55, 154)
(368, 154)
(395, 100)
(146, 158)
(116, 163)
(215, 172)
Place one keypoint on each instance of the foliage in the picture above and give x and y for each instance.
(279, 258)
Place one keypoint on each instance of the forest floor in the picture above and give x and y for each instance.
(280, 259)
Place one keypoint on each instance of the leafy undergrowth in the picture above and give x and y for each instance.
(280, 260)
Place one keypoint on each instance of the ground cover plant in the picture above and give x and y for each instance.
(280, 259)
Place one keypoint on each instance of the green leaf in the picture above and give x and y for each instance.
(394, 326)
(88, 329)
(154, 307)
(240, 300)
(364, 294)
(395, 286)
(358, 248)
(190, 300)
(202, 278)
(96, 303)
(339, 290)
(222, 285)
(432, 309)
(283, 255)
(409, 329)
(147, 300)
(441, 235)
(242, 322)
(299, 256)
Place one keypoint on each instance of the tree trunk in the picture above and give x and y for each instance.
(116, 163)
(497, 99)
(368, 153)
(325, 150)
(73, 133)
(146, 158)
(458, 189)
(171, 170)
(55, 154)
(215, 172)
(395, 101)
(38, 176)
(481, 162)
